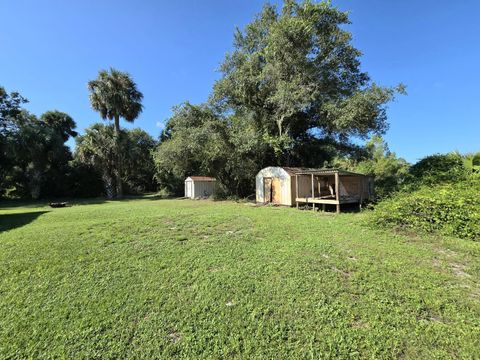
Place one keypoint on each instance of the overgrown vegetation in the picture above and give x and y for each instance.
(451, 208)
(389, 171)
(440, 194)
(199, 279)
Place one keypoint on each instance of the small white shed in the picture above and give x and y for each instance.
(199, 186)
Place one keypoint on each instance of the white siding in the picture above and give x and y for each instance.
(189, 189)
(285, 184)
(203, 188)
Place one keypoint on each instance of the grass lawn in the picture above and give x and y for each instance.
(200, 279)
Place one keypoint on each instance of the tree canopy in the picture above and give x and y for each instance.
(291, 93)
(97, 148)
(297, 74)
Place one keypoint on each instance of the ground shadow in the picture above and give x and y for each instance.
(344, 208)
(10, 204)
(12, 221)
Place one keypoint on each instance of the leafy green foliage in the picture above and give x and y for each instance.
(10, 117)
(291, 93)
(450, 208)
(83, 181)
(438, 168)
(183, 279)
(97, 148)
(114, 95)
(299, 76)
(389, 171)
(36, 154)
(139, 168)
(199, 141)
(60, 122)
(472, 162)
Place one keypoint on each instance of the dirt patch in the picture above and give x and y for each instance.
(459, 270)
(174, 337)
(345, 274)
(447, 252)
(358, 323)
(475, 294)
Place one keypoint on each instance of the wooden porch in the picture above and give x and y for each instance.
(329, 193)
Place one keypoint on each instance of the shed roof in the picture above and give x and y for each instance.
(201, 178)
(318, 171)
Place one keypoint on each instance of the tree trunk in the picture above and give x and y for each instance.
(279, 125)
(118, 160)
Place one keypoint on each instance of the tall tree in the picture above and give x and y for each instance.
(139, 167)
(10, 117)
(298, 76)
(97, 147)
(40, 159)
(10, 109)
(114, 95)
(292, 92)
(60, 122)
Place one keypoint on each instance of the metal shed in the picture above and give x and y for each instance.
(294, 186)
(199, 186)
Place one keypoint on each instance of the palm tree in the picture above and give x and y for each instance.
(114, 95)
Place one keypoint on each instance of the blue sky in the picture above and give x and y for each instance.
(49, 50)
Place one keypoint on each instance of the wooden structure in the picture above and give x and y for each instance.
(199, 187)
(295, 186)
(274, 185)
(332, 187)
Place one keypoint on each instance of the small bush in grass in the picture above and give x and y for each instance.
(450, 208)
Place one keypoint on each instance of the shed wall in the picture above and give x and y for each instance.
(285, 185)
(203, 188)
(189, 189)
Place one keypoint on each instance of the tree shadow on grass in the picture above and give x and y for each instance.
(12, 221)
(10, 204)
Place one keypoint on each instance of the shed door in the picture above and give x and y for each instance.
(276, 191)
(188, 189)
(267, 190)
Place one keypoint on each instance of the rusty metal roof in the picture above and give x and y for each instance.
(201, 178)
(318, 171)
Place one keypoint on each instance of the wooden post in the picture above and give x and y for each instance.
(337, 187)
(313, 193)
(296, 189)
(313, 188)
(361, 198)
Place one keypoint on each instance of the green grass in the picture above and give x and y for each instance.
(200, 279)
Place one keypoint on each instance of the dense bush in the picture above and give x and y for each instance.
(450, 208)
(438, 168)
(96, 149)
(388, 170)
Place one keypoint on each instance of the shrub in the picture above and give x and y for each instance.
(449, 208)
(438, 168)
